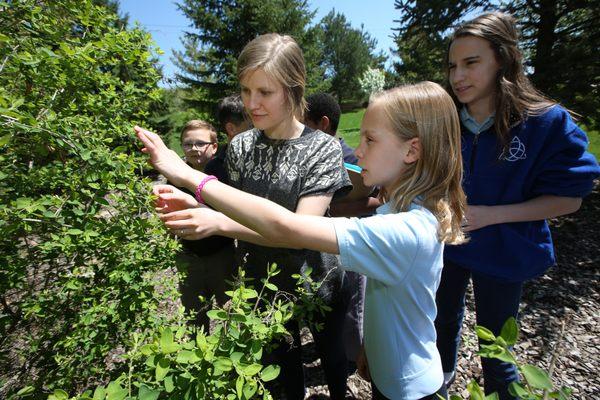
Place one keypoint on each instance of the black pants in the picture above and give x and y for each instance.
(377, 395)
(495, 302)
(330, 348)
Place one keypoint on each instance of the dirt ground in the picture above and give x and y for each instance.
(559, 317)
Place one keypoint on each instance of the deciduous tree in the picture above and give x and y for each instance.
(347, 52)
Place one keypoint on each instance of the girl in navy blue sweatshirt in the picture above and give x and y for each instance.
(524, 161)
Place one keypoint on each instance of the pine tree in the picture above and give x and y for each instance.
(224, 27)
(348, 52)
(421, 37)
(561, 39)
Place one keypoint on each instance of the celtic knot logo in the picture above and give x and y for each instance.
(515, 151)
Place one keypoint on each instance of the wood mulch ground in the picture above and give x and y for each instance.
(559, 320)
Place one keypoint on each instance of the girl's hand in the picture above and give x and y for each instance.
(362, 365)
(193, 223)
(477, 217)
(172, 199)
(164, 160)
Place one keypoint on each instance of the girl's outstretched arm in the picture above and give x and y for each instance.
(273, 222)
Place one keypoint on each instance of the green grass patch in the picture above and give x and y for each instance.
(349, 130)
(594, 147)
(349, 127)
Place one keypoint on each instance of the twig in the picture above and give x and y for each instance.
(555, 351)
(7, 57)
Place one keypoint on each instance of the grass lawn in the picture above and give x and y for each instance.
(349, 130)
(349, 127)
(594, 147)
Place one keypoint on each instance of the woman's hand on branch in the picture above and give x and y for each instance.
(170, 199)
(164, 160)
(193, 223)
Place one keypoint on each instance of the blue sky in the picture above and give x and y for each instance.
(166, 23)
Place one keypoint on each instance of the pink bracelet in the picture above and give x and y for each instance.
(201, 186)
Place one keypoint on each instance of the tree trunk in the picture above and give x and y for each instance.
(544, 42)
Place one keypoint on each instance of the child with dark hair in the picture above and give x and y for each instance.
(233, 120)
(324, 113)
(232, 116)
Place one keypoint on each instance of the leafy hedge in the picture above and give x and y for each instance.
(79, 261)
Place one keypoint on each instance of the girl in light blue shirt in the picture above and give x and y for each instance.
(410, 147)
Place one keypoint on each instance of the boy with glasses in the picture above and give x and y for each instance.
(199, 143)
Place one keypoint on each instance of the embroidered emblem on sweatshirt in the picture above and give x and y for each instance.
(515, 151)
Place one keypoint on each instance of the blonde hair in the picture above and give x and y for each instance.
(426, 111)
(199, 124)
(516, 97)
(280, 57)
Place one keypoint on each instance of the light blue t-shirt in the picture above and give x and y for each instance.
(402, 258)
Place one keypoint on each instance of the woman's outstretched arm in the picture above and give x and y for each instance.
(268, 219)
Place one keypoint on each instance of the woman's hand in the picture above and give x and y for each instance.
(170, 199)
(164, 160)
(193, 223)
(477, 217)
(362, 365)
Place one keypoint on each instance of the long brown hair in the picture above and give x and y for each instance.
(426, 111)
(516, 97)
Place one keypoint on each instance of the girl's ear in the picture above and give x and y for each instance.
(414, 151)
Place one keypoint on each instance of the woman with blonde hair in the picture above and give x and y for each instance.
(410, 147)
(298, 168)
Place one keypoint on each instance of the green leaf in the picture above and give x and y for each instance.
(167, 345)
(475, 391)
(250, 389)
(48, 52)
(148, 349)
(169, 385)
(99, 393)
(485, 334)
(492, 396)
(269, 373)
(5, 139)
(235, 357)
(239, 386)
(249, 294)
(147, 393)
(217, 314)
(162, 369)
(224, 364)
(58, 394)
(510, 331)
(187, 357)
(517, 389)
(252, 369)
(536, 377)
(114, 391)
(25, 390)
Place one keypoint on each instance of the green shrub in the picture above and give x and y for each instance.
(79, 257)
(535, 384)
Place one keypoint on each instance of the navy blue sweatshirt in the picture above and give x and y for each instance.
(546, 156)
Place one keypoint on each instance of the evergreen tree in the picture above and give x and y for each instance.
(347, 52)
(224, 27)
(421, 38)
(561, 39)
